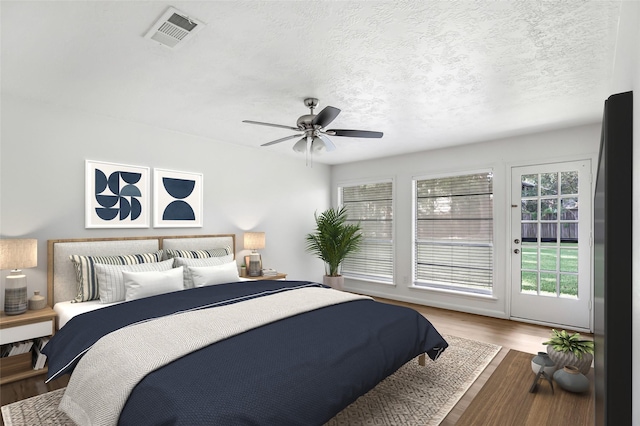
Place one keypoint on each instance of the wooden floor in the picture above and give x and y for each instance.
(508, 387)
(508, 334)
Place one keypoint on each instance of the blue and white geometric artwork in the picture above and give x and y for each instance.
(177, 199)
(117, 195)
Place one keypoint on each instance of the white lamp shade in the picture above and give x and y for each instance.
(18, 253)
(301, 145)
(317, 145)
(254, 240)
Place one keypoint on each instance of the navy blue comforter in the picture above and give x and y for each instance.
(299, 371)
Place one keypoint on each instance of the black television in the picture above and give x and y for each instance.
(613, 204)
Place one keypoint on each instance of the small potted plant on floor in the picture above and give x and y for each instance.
(333, 240)
(570, 349)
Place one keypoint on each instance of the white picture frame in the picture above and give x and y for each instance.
(177, 198)
(116, 195)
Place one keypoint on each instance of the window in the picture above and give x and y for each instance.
(371, 205)
(454, 233)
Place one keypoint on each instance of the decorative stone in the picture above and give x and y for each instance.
(571, 379)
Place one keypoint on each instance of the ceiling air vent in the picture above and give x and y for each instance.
(174, 28)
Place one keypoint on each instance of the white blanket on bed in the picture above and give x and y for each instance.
(103, 379)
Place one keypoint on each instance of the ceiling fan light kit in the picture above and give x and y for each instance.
(317, 145)
(314, 138)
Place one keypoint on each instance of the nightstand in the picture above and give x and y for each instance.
(278, 276)
(16, 328)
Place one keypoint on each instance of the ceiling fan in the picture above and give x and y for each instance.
(312, 128)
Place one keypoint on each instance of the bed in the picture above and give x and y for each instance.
(239, 352)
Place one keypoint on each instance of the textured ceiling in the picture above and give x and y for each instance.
(428, 74)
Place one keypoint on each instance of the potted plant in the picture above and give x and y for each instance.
(332, 241)
(570, 349)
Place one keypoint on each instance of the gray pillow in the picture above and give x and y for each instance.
(111, 281)
(209, 261)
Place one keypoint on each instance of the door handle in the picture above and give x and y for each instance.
(516, 251)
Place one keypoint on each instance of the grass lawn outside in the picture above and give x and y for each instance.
(553, 266)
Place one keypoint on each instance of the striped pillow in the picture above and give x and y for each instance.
(111, 278)
(86, 274)
(198, 254)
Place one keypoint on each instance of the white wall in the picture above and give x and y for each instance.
(43, 149)
(627, 77)
(577, 143)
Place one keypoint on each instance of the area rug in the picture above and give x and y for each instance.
(413, 395)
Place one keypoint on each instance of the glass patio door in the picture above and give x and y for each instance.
(551, 244)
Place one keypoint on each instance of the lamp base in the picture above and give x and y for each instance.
(15, 293)
(254, 266)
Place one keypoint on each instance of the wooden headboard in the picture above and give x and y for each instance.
(61, 278)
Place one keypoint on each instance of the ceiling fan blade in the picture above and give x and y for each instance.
(328, 144)
(354, 133)
(326, 116)
(281, 140)
(270, 124)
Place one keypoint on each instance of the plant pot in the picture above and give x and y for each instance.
(562, 359)
(570, 379)
(334, 282)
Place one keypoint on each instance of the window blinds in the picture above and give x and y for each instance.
(371, 205)
(454, 232)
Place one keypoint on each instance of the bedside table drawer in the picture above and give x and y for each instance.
(26, 332)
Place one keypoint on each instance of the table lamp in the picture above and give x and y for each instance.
(16, 254)
(254, 241)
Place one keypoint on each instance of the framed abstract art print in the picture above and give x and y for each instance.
(116, 195)
(177, 198)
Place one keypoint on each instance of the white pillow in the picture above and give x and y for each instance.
(209, 261)
(110, 280)
(211, 275)
(145, 284)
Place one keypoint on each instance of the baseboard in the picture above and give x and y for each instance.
(433, 304)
